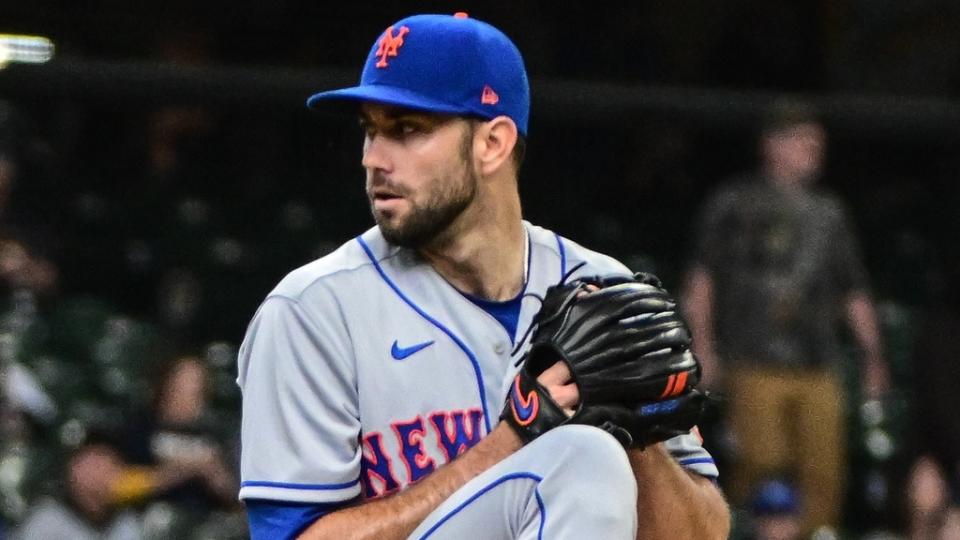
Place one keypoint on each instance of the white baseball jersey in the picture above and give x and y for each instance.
(365, 370)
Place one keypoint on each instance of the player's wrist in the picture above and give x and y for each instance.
(648, 453)
(504, 435)
(529, 410)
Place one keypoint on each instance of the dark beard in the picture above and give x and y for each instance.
(427, 223)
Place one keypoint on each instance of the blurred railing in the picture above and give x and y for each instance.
(932, 119)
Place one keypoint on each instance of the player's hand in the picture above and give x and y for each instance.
(559, 382)
(613, 351)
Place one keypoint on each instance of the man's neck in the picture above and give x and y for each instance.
(787, 180)
(485, 259)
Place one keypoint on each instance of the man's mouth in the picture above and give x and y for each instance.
(384, 200)
(383, 195)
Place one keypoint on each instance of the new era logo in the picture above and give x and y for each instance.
(389, 45)
(489, 97)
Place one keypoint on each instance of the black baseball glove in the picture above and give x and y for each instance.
(628, 351)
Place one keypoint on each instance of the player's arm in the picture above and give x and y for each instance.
(396, 516)
(673, 502)
(299, 437)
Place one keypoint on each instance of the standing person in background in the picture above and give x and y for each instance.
(775, 271)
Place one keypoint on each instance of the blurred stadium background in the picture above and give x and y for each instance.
(165, 165)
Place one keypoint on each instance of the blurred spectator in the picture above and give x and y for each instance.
(23, 269)
(933, 487)
(27, 411)
(86, 510)
(776, 268)
(25, 261)
(177, 433)
(23, 402)
(775, 511)
(929, 496)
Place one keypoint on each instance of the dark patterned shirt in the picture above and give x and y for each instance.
(782, 263)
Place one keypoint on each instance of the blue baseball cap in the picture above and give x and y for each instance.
(448, 64)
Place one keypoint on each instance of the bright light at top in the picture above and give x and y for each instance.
(24, 49)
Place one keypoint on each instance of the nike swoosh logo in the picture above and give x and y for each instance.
(525, 408)
(399, 353)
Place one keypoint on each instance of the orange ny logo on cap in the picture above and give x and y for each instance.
(489, 97)
(389, 44)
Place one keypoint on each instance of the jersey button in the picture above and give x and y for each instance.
(500, 347)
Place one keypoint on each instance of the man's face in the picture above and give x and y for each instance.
(797, 151)
(92, 475)
(420, 173)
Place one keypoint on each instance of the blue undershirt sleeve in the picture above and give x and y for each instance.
(278, 520)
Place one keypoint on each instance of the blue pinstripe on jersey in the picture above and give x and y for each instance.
(563, 256)
(487, 488)
(463, 346)
(289, 485)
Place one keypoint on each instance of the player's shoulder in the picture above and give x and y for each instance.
(571, 253)
(342, 264)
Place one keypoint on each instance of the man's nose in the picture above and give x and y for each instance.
(376, 154)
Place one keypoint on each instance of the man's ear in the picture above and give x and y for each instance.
(493, 144)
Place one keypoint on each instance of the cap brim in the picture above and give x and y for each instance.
(387, 95)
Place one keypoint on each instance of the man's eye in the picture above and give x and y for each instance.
(407, 128)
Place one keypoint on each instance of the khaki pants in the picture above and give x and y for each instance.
(791, 423)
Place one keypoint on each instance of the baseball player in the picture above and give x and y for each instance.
(374, 379)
